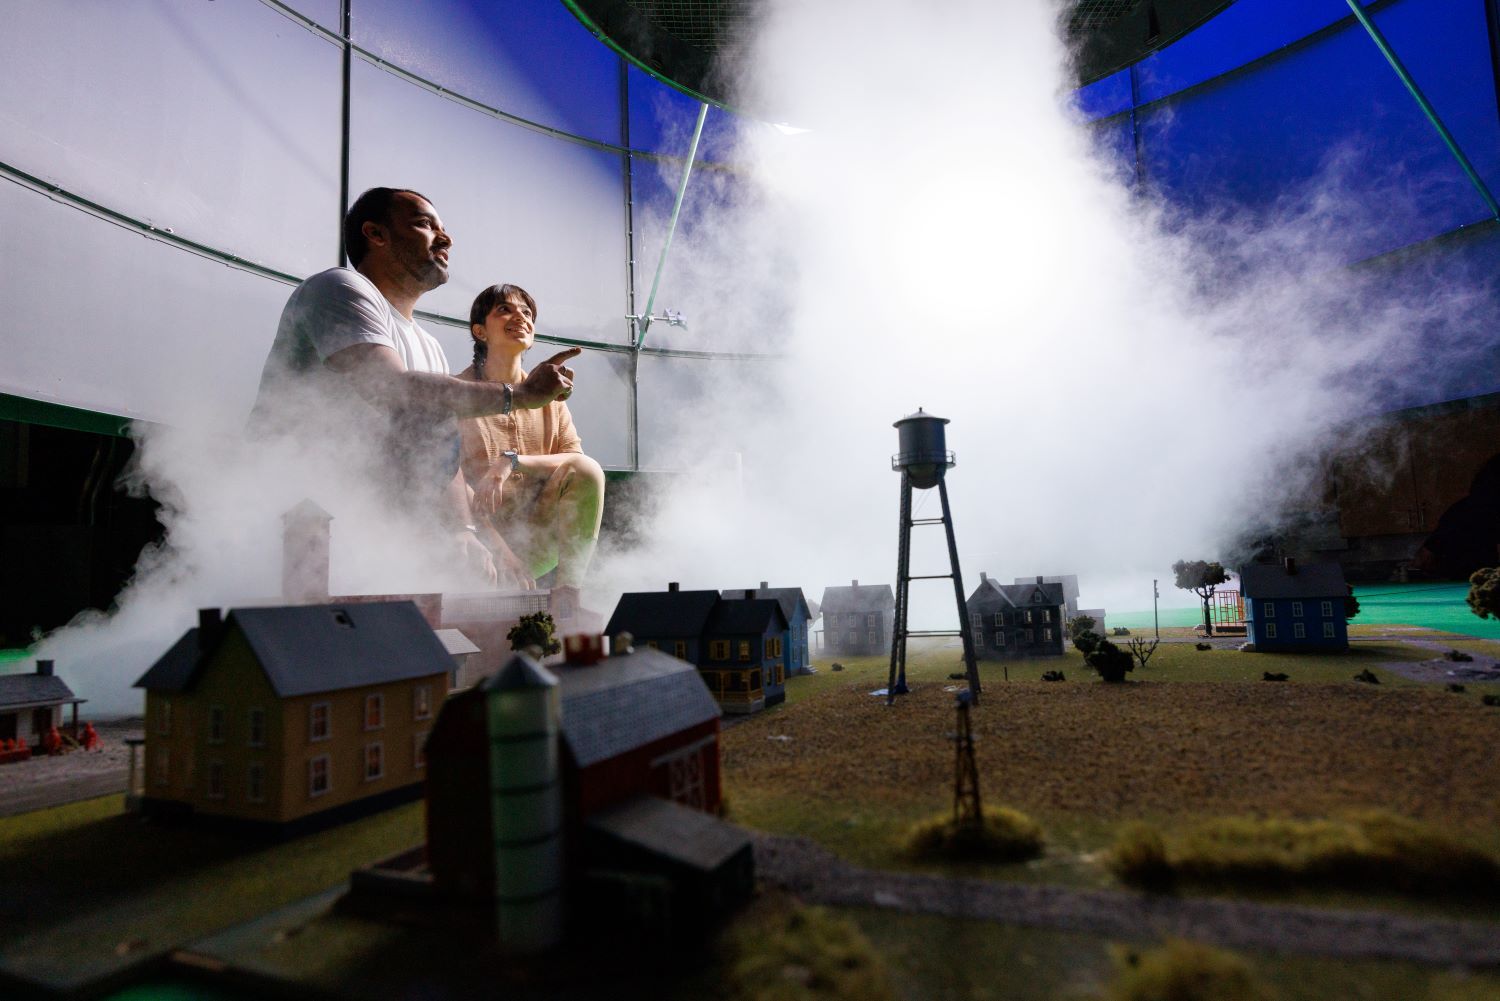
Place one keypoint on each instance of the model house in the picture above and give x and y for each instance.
(1295, 607)
(1017, 620)
(32, 704)
(537, 776)
(291, 718)
(799, 616)
(858, 619)
(737, 644)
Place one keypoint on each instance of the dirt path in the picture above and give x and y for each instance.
(818, 876)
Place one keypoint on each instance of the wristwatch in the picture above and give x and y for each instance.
(515, 460)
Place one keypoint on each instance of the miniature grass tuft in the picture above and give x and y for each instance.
(1366, 851)
(809, 953)
(1005, 835)
(1182, 971)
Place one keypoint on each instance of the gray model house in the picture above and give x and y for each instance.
(799, 616)
(738, 645)
(31, 704)
(858, 619)
(1017, 620)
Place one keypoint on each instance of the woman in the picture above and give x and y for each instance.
(539, 497)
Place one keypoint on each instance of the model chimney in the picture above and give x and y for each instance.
(1039, 579)
(854, 583)
(984, 578)
(674, 586)
(1290, 563)
(44, 668)
(304, 554)
(764, 585)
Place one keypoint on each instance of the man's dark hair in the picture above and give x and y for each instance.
(486, 301)
(372, 206)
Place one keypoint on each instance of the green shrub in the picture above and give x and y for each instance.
(1183, 971)
(1110, 661)
(809, 954)
(1372, 850)
(1005, 835)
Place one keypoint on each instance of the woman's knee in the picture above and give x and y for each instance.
(586, 472)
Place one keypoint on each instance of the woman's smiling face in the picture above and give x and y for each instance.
(510, 323)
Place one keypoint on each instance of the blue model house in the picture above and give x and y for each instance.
(1291, 607)
(799, 617)
(738, 645)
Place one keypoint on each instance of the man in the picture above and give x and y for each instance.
(348, 333)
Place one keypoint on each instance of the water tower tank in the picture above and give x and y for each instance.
(924, 451)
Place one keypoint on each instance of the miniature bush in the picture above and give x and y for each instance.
(1484, 593)
(534, 630)
(1005, 835)
(1111, 663)
(837, 666)
(1372, 850)
(1081, 634)
(810, 953)
(1182, 971)
(1490, 700)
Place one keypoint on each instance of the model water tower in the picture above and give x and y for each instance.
(923, 463)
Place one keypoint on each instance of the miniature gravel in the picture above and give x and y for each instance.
(45, 781)
(818, 876)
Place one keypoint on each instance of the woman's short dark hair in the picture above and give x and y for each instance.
(484, 303)
(372, 206)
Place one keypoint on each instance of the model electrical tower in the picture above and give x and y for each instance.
(922, 462)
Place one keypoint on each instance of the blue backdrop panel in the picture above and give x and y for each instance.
(106, 319)
(1330, 117)
(219, 120)
(662, 119)
(531, 59)
(1245, 31)
(1106, 96)
(1114, 140)
(521, 206)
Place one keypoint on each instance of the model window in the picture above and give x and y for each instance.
(319, 724)
(421, 707)
(679, 649)
(1299, 631)
(873, 619)
(374, 761)
(1046, 615)
(780, 675)
(317, 776)
(255, 782)
(1328, 631)
(773, 647)
(754, 677)
(718, 649)
(374, 711)
(161, 766)
(874, 638)
(216, 724)
(1296, 609)
(1270, 609)
(256, 718)
(1028, 615)
(1030, 633)
(1046, 635)
(1327, 609)
(1270, 630)
(854, 639)
(976, 619)
(164, 720)
(744, 649)
(999, 637)
(216, 780)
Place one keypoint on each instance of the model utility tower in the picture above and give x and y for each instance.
(922, 462)
(967, 811)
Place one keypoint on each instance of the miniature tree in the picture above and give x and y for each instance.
(1110, 661)
(534, 630)
(1081, 634)
(1484, 593)
(1201, 578)
(1351, 603)
(1142, 650)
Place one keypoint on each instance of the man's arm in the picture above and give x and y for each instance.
(380, 377)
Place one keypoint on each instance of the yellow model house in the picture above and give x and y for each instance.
(292, 718)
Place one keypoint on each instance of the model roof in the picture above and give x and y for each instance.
(34, 691)
(307, 649)
(789, 597)
(629, 700)
(662, 613)
(857, 597)
(1020, 595)
(746, 615)
(672, 831)
(1308, 580)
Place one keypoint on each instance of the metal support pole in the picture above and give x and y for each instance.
(644, 323)
(345, 21)
(965, 629)
(1425, 105)
(896, 682)
(1155, 614)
